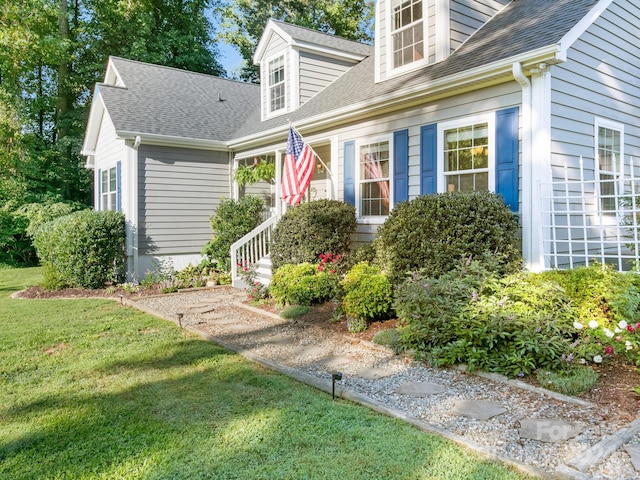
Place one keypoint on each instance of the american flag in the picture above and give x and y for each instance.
(299, 162)
(373, 171)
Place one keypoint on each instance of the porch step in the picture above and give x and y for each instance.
(263, 270)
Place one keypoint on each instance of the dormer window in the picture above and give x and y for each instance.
(407, 32)
(276, 84)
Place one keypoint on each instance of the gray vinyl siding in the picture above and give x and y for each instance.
(109, 150)
(179, 189)
(318, 187)
(467, 16)
(431, 30)
(317, 72)
(600, 79)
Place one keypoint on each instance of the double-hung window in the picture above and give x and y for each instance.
(276, 84)
(374, 186)
(466, 155)
(609, 154)
(407, 32)
(109, 189)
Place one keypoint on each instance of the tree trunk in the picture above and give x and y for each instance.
(64, 102)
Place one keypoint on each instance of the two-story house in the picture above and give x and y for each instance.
(538, 100)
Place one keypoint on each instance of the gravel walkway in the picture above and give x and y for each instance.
(374, 374)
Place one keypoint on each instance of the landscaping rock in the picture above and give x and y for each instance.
(549, 430)
(478, 409)
(420, 389)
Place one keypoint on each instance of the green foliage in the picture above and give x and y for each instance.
(84, 249)
(309, 230)
(303, 284)
(356, 325)
(574, 381)
(368, 293)
(512, 325)
(254, 173)
(599, 292)
(436, 232)
(388, 337)
(232, 220)
(295, 311)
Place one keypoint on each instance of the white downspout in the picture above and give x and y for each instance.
(528, 224)
(134, 211)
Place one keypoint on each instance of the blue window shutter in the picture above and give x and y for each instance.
(119, 187)
(350, 172)
(428, 159)
(99, 188)
(507, 156)
(400, 166)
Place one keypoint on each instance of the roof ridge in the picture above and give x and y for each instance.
(181, 70)
(330, 35)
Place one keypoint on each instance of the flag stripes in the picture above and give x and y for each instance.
(299, 162)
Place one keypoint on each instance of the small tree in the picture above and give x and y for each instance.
(232, 220)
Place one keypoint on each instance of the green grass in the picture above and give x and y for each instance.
(90, 389)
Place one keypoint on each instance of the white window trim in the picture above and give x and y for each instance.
(619, 127)
(106, 195)
(373, 219)
(490, 120)
(267, 108)
(392, 72)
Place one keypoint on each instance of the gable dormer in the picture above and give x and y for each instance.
(414, 33)
(296, 63)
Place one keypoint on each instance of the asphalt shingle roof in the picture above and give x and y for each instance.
(168, 101)
(522, 26)
(318, 38)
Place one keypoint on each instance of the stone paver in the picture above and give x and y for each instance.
(478, 409)
(374, 373)
(549, 430)
(420, 389)
(634, 453)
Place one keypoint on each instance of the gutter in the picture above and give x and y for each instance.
(397, 101)
(168, 140)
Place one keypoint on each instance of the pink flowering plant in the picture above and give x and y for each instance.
(257, 292)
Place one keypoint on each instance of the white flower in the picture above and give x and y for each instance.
(582, 361)
(593, 324)
(597, 359)
(578, 325)
(608, 333)
(622, 324)
(628, 345)
(617, 330)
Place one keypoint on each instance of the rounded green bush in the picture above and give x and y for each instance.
(388, 337)
(436, 232)
(84, 249)
(310, 229)
(367, 293)
(303, 284)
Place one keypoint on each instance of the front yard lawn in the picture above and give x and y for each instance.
(90, 389)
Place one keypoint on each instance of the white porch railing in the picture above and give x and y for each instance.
(581, 224)
(251, 248)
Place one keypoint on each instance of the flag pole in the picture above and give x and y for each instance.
(314, 152)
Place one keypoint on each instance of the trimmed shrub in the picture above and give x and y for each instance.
(303, 284)
(368, 294)
(437, 232)
(295, 311)
(84, 249)
(310, 229)
(231, 221)
(387, 337)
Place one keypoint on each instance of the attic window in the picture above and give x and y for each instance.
(407, 32)
(276, 85)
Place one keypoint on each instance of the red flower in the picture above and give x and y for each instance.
(637, 326)
(630, 328)
(608, 350)
(332, 271)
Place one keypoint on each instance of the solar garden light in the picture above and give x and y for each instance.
(121, 299)
(180, 315)
(335, 376)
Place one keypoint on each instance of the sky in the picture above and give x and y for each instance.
(230, 58)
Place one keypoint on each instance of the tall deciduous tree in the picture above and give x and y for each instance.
(244, 21)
